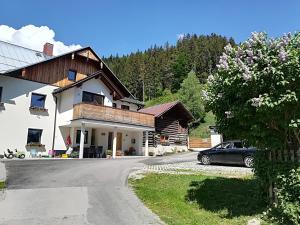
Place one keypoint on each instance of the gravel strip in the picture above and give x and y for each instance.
(191, 168)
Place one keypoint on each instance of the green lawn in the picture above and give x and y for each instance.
(199, 199)
(202, 130)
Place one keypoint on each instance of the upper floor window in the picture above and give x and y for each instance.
(34, 136)
(72, 75)
(125, 107)
(1, 88)
(37, 100)
(92, 98)
(114, 105)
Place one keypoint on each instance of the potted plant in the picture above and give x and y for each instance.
(108, 153)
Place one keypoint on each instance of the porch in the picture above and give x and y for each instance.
(98, 139)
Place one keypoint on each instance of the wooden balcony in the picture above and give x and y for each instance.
(105, 113)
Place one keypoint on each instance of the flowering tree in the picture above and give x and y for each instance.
(255, 96)
(255, 93)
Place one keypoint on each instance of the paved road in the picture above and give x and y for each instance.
(72, 192)
(76, 192)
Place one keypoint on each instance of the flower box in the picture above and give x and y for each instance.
(38, 109)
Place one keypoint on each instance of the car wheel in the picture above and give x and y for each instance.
(249, 161)
(205, 159)
(10, 156)
(22, 156)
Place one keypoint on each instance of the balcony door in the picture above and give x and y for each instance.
(119, 141)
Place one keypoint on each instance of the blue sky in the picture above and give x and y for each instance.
(112, 26)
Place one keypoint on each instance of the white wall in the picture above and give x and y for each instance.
(66, 101)
(16, 118)
(132, 107)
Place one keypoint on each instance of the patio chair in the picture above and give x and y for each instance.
(99, 152)
(92, 152)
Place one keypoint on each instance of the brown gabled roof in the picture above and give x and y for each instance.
(111, 76)
(159, 110)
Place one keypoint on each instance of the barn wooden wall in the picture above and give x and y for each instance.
(171, 127)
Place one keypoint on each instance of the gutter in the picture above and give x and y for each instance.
(54, 128)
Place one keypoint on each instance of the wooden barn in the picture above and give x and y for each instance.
(171, 128)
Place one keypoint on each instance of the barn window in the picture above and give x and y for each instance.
(164, 138)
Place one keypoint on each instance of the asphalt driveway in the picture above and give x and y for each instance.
(81, 192)
(72, 192)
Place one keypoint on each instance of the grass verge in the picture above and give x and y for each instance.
(200, 199)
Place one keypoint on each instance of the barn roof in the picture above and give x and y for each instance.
(159, 110)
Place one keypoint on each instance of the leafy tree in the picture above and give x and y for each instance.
(255, 96)
(190, 94)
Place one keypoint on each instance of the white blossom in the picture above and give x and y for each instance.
(229, 114)
(228, 48)
(257, 102)
(247, 75)
(205, 95)
(223, 64)
(283, 55)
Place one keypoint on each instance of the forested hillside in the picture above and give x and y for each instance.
(165, 67)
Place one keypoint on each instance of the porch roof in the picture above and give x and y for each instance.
(106, 124)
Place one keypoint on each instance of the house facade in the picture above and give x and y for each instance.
(67, 102)
(171, 128)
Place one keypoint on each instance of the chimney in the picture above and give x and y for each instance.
(48, 49)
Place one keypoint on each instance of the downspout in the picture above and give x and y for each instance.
(54, 128)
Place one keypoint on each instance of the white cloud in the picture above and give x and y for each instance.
(34, 37)
(180, 36)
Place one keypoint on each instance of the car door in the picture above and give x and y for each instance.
(233, 154)
(219, 155)
(237, 153)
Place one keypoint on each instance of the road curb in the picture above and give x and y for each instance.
(2, 172)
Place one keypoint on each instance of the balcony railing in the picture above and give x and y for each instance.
(105, 113)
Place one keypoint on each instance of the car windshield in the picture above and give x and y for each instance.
(223, 145)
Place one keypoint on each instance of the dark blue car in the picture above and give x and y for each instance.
(229, 152)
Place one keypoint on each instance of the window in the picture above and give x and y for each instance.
(1, 88)
(78, 134)
(92, 98)
(72, 75)
(164, 138)
(38, 100)
(125, 107)
(238, 144)
(34, 136)
(224, 145)
(114, 105)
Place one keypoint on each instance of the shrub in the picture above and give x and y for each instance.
(286, 209)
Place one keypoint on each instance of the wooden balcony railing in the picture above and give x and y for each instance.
(105, 113)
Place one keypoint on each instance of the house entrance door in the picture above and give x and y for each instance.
(119, 141)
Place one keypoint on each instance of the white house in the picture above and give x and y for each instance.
(70, 101)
